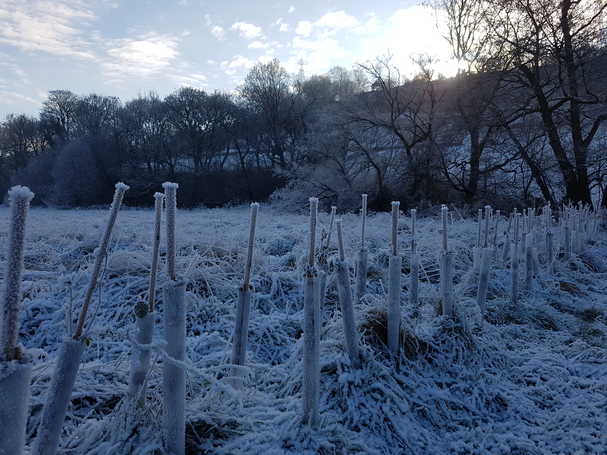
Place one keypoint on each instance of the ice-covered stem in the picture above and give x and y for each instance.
(312, 233)
(395, 215)
(19, 197)
(345, 300)
(100, 255)
(444, 215)
(249, 264)
(170, 194)
(363, 220)
(158, 199)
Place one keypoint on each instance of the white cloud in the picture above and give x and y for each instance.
(144, 56)
(304, 28)
(53, 27)
(191, 80)
(337, 20)
(284, 27)
(291, 9)
(218, 32)
(258, 45)
(246, 30)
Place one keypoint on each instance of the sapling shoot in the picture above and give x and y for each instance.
(414, 293)
(15, 368)
(70, 352)
(361, 260)
(144, 317)
(394, 269)
(243, 308)
(311, 354)
(345, 300)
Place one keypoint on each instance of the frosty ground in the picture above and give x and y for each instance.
(530, 379)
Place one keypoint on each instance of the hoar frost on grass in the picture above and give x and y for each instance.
(526, 380)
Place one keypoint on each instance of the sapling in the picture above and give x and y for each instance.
(446, 267)
(394, 269)
(243, 308)
(345, 300)
(515, 259)
(173, 378)
(70, 352)
(144, 317)
(322, 258)
(311, 353)
(414, 292)
(361, 259)
(15, 369)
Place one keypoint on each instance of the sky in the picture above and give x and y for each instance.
(126, 48)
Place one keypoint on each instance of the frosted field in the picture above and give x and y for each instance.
(526, 380)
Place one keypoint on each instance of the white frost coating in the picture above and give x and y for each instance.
(549, 252)
(170, 192)
(483, 280)
(15, 393)
(394, 268)
(444, 217)
(363, 220)
(121, 188)
(414, 264)
(140, 357)
(19, 197)
(311, 352)
(59, 395)
(173, 378)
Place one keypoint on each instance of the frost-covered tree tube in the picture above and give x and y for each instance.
(144, 318)
(394, 269)
(15, 369)
(243, 308)
(515, 260)
(414, 291)
(170, 194)
(311, 352)
(173, 377)
(100, 256)
(362, 256)
(345, 300)
(446, 285)
(59, 395)
(15, 378)
(483, 279)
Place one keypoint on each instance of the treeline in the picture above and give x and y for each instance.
(522, 121)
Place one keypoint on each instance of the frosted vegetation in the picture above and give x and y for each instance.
(527, 378)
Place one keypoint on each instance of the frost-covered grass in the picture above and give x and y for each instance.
(526, 380)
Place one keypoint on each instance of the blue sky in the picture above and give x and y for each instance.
(127, 47)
